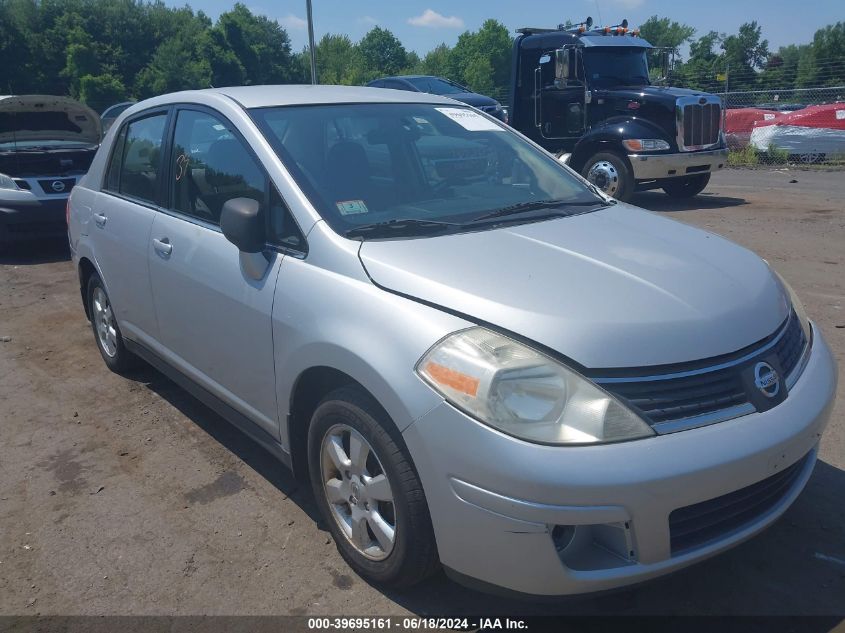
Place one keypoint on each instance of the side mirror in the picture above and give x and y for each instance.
(566, 65)
(561, 65)
(242, 224)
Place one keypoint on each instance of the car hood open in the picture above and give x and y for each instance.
(26, 118)
(620, 287)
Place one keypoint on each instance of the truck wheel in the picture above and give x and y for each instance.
(368, 491)
(610, 172)
(686, 187)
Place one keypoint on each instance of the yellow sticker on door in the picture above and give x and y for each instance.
(351, 207)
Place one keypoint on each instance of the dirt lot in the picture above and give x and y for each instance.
(126, 496)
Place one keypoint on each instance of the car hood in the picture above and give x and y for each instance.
(26, 118)
(620, 287)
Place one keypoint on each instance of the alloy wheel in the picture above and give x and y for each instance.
(104, 322)
(358, 492)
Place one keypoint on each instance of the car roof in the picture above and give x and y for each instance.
(267, 96)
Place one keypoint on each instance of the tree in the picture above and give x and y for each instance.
(436, 61)
(744, 54)
(101, 91)
(336, 59)
(491, 44)
(663, 33)
(260, 45)
(381, 54)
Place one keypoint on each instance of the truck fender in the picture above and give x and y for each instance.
(608, 136)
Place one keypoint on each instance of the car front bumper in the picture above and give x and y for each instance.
(31, 219)
(495, 500)
(660, 166)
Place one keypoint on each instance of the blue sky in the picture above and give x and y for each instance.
(422, 24)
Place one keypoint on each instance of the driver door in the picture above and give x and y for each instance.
(560, 111)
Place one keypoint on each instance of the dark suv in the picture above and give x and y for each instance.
(440, 86)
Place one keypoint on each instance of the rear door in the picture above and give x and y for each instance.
(122, 218)
(214, 319)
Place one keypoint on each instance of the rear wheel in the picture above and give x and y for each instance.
(368, 491)
(686, 187)
(106, 332)
(610, 172)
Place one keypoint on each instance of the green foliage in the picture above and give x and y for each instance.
(381, 53)
(745, 157)
(104, 50)
(102, 90)
(664, 33)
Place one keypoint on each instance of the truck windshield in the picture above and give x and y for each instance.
(616, 66)
(418, 167)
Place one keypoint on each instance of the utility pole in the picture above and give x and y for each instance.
(311, 48)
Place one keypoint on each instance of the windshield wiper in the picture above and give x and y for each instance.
(536, 205)
(393, 227)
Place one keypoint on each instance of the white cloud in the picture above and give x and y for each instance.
(367, 19)
(433, 19)
(293, 22)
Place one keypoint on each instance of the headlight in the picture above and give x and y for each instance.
(796, 304)
(6, 182)
(524, 393)
(645, 144)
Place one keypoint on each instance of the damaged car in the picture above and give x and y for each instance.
(47, 144)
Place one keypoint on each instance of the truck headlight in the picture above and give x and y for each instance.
(797, 305)
(524, 393)
(645, 144)
(6, 182)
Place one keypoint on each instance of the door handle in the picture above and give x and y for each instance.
(100, 219)
(163, 246)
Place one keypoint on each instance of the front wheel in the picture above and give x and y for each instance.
(611, 173)
(686, 187)
(368, 491)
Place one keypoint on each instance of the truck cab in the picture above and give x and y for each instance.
(586, 96)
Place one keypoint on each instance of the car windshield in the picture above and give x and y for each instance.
(417, 166)
(435, 85)
(616, 66)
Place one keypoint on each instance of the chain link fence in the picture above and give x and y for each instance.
(786, 126)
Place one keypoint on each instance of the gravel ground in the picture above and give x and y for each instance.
(126, 496)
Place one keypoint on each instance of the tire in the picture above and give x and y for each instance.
(611, 173)
(686, 187)
(348, 413)
(106, 331)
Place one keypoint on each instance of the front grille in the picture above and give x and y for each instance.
(701, 124)
(697, 525)
(705, 387)
(67, 185)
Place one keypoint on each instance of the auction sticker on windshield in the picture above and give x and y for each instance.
(470, 120)
(351, 207)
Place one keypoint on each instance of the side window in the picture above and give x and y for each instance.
(283, 228)
(141, 160)
(113, 175)
(396, 85)
(211, 165)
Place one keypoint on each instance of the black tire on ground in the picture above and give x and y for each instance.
(122, 361)
(414, 554)
(621, 178)
(687, 186)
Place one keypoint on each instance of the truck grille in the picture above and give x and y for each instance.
(693, 391)
(700, 125)
(697, 525)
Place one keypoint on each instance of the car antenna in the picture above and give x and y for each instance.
(598, 10)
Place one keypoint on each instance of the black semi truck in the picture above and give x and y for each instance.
(585, 95)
